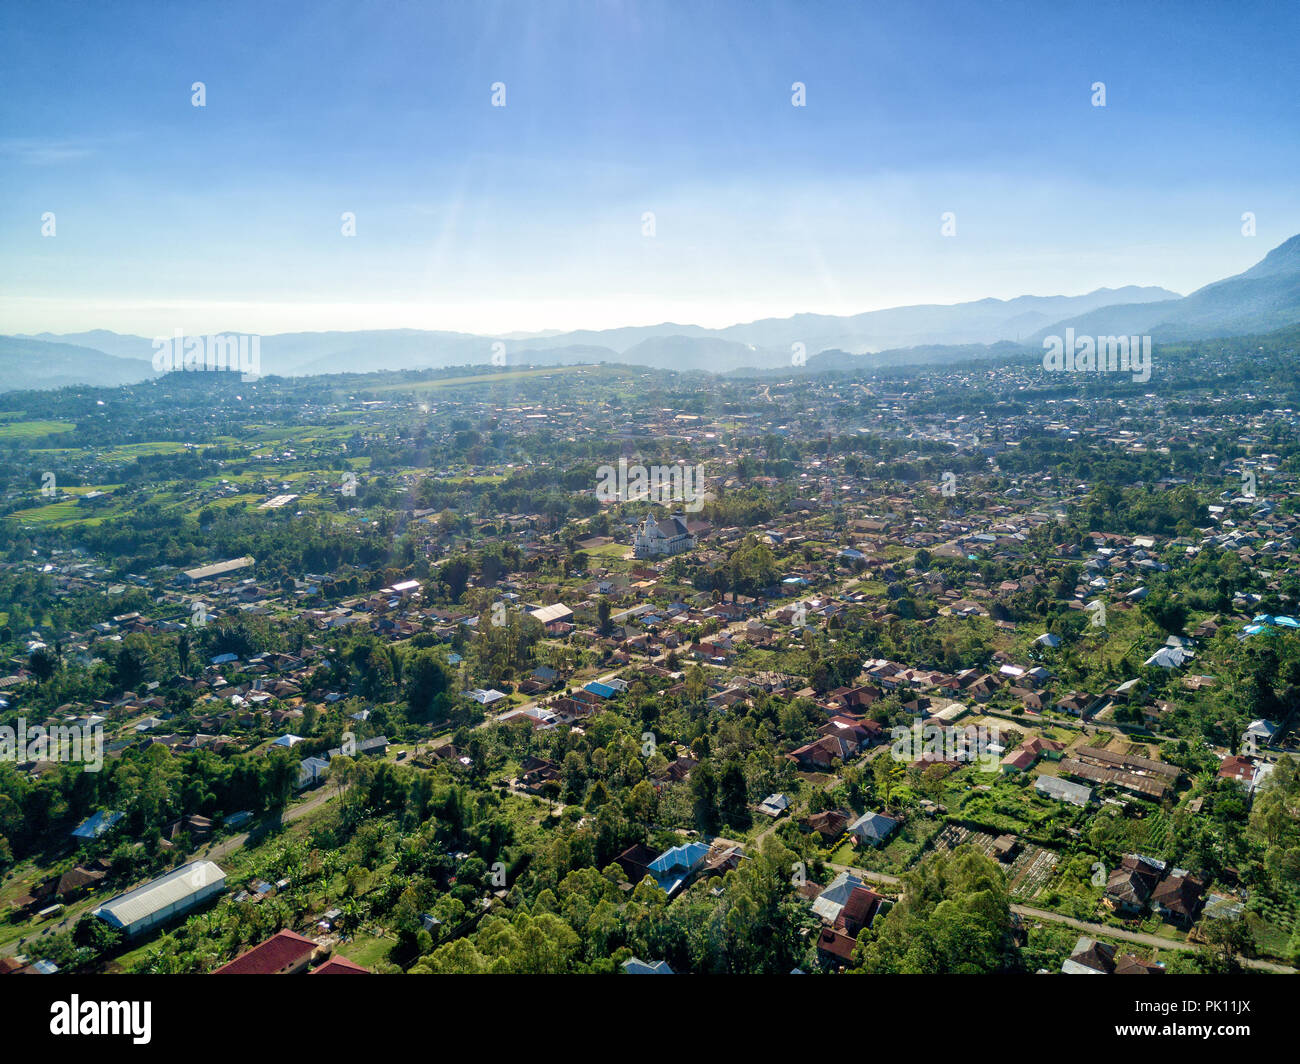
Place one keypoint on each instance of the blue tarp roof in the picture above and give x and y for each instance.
(686, 856)
(93, 827)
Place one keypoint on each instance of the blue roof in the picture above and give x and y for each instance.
(633, 966)
(684, 857)
(95, 826)
(602, 689)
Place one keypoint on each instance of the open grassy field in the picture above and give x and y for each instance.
(67, 511)
(127, 452)
(478, 378)
(31, 430)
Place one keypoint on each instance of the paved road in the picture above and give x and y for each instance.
(1154, 941)
(1096, 930)
(214, 853)
(873, 877)
(230, 845)
(734, 628)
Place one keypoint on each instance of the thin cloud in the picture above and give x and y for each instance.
(45, 152)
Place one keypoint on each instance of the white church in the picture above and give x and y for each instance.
(661, 539)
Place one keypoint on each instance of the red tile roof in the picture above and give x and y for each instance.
(282, 950)
(337, 965)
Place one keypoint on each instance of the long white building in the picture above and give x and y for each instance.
(161, 899)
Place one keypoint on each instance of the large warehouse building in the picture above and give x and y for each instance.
(161, 899)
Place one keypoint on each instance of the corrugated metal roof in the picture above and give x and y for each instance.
(176, 886)
(558, 612)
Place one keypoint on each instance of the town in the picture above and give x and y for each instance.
(997, 660)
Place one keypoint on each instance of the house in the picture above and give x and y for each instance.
(873, 828)
(1090, 957)
(1130, 886)
(633, 966)
(1063, 790)
(1246, 771)
(1170, 657)
(95, 826)
(635, 862)
(859, 733)
(284, 953)
(312, 771)
(859, 910)
(1178, 898)
(660, 539)
(537, 773)
(835, 947)
(678, 770)
(1260, 732)
(1132, 964)
(774, 805)
(337, 965)
(673, 868)
(375, 746)
(1019, 760)
(1075, 703)
(545, 674)
(830, 824)
(831, 902)
(80, 878)
(1040, 747)
(822, 754)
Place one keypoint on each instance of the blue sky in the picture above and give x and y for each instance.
(529, 217)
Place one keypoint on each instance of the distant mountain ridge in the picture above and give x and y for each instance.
(758, 344)
(37, 364)
(1263, 298)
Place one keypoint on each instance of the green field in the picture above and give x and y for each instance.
(31, 430)
(125, 453)
(478, 378)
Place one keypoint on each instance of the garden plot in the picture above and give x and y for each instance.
(954, 835)
(1031, 871)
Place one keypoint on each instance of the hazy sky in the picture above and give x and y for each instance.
(530, 216)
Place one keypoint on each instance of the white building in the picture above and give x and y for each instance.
(161, 899)
(661, 539)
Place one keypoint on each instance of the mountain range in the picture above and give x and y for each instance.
(1263, 298)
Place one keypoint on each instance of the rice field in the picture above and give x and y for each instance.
(32, 430)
